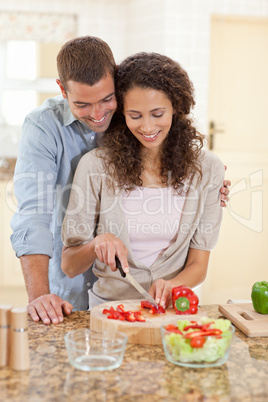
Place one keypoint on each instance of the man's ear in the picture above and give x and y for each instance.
(63, 92)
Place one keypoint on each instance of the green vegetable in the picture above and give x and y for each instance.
(259, 297)
(213, 348)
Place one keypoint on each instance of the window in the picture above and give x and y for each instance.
(20, 84)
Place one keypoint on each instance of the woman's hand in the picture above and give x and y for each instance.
(161, 292)
(107, 246)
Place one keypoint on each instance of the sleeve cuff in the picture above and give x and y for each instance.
(34, 240)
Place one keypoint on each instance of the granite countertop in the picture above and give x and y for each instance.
(145, 374)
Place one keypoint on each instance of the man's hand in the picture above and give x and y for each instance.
(42, 305)
(49, 308)
(225, 192)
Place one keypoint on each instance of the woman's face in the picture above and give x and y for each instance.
(148, 115)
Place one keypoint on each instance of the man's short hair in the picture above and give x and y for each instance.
(86, 59)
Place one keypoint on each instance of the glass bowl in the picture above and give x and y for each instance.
(95, 351)
(213, 353)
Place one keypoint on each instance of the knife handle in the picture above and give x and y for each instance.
(119, 266)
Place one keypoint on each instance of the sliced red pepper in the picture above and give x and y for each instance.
(122, 315)
(209, 332)
(173, 328)
(131, 317)
(110, 312)
(119, 316)
(207, 325)
(192, 327)
(146, 304)
(154, 308)
(138, 316)
(161, 310)
(121, 308)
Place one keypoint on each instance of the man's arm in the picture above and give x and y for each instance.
(32, 240)
(42, 304)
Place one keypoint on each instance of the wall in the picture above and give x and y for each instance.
(181, 29)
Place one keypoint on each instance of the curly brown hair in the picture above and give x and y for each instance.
(181, 148)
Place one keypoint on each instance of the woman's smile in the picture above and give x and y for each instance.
(151, 137)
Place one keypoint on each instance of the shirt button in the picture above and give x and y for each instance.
(88, 284)
(92, 137)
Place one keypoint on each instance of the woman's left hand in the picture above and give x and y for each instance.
(161, 292)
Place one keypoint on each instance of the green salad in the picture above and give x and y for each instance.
(203, 341)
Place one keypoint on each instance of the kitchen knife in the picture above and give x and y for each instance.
(134, 283)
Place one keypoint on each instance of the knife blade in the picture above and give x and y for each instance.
(134, 283)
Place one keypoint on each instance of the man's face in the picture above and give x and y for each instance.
(92, 105)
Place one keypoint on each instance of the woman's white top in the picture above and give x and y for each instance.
(153, 218)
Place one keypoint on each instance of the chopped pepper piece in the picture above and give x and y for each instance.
(122, 315)
(173, 328)
(208, 332)
(259, 297)
(154, 308)
(138, 316)
(184, 300)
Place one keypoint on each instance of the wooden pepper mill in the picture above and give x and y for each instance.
(19, 347)
(4, 334)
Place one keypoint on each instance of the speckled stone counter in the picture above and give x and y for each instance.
(144, 375)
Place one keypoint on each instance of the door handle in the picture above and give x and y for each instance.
(211, 133)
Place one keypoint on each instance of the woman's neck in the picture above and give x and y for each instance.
(151, 174)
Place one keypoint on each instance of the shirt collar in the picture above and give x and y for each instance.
(68, 117)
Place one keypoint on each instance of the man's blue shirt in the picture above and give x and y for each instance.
(51, 145)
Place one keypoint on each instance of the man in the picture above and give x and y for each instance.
(54, 138)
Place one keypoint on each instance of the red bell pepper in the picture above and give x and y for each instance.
(184, 300)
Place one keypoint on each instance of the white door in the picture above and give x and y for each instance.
(238, 115)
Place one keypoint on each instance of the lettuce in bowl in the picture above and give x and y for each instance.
(216, 336)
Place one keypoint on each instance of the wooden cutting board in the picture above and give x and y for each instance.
(143, 333)
(244, 317)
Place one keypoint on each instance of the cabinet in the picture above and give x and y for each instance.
(10, 269)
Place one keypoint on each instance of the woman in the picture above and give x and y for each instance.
(149, 195)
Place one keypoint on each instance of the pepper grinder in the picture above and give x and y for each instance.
(19, 347)
(4, 333)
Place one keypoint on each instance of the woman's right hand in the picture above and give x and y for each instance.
(107, 246)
